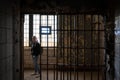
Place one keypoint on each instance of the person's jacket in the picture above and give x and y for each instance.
(35, 50)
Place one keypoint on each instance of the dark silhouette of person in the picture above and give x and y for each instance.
(35, 51)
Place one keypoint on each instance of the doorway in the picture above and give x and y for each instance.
(73, 46)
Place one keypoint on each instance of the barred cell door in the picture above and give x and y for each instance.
(74, 47)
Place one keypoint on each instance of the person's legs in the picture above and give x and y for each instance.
(36, 65)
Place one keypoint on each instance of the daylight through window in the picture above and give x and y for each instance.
(44, 25)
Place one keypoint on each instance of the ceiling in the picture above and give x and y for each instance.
(68, 5)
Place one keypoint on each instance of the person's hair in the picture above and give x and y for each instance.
(34, 37)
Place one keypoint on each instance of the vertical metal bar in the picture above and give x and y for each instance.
(70, 44)
(84, 43)
(57, 47)
(40, 43)
(68, 50)
(47, 52)
(62, 49)
(30, 28)
(61, 44)
(103, 57)
(63, 22)
(98, 46)
(22, 18)
(75, 47)
(91, 46)
(77, 44)
(54, 46)
(105, 47)
(67, 45)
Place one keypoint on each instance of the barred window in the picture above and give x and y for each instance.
(44, 28)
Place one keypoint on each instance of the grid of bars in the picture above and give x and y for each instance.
(44, 21)
(80, 46)
(49, 20)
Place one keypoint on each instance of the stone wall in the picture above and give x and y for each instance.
(6, 41)
(28, 62)
(81, 39)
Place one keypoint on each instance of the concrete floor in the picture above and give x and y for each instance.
(59, 75)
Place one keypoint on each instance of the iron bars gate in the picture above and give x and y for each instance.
(74, 46)
(80, 50)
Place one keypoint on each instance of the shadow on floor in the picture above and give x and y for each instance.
(62, 75)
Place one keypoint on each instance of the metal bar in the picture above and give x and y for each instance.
(40, 55)
(75, 48)
(54, 47)
(70, 45)
(30, 28)
(91, 47)
(63, 19)
(67, 46)
(77, 30)
(21, 48)
(105, 48)
(47, 52)
(67, 42)
(77, 45)
(98, 46)
(54, 34)
(84, 44)
(61, 45)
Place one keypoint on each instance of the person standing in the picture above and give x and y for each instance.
(35, 51)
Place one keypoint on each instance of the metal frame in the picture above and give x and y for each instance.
(63, 52)
(48, 33)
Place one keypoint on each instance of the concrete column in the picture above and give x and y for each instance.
(6, 41)
(9, 44)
